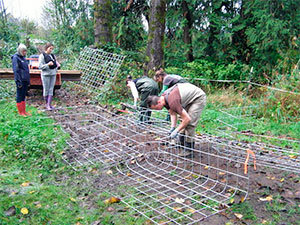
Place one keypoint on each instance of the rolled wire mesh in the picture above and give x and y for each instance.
(98, 68)
(150, 173)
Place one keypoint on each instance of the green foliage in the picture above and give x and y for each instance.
(128, 29)
(72, 24)
(201, 68)
(7, 49)
(272, 27)
(8, 31)
(260, 34)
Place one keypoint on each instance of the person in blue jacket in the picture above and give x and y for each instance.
(22, 78)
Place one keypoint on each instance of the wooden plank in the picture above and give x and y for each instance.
(66, 75)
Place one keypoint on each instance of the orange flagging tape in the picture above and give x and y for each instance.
(247, 159)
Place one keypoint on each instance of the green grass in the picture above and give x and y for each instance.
(245, 209)
(33, 176)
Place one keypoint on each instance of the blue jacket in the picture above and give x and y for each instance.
(20, 68)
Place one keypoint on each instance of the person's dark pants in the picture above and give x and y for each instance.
(145, 113)
(21, 91)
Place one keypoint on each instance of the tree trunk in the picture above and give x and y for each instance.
(187, 37)
(155, 44)
(103, 22)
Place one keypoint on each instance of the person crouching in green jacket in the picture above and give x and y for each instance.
(141, 88)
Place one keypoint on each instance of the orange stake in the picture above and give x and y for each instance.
(247, 159)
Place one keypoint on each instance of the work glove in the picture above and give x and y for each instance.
(174, 134)
(171, 130)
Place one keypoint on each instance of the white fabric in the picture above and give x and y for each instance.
(134, 91)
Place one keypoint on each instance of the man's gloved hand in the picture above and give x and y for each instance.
(171, 130)
(174, 134)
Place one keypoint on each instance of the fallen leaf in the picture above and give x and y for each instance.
(106, 150)
(206, 167)
(38, 206)
(268, 198)
(231, 200)
(129, 174)
(73, 199)
(178, 209)
(25, 184)
(178, 182)
(281, 180)
(148, 222)
(93, 171)
(110, 209)
(31, 192)
(242, 199)
(112, 200)
(221, 173)
(109, 172)
(24, 211)
(293, 156)
(239, 216)
(179, 200)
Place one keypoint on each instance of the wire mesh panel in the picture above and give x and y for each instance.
(98, 68)
(239, 128)
(150, 173)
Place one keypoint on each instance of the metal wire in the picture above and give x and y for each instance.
(151, 174)
(98, 68)
(238, 125)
